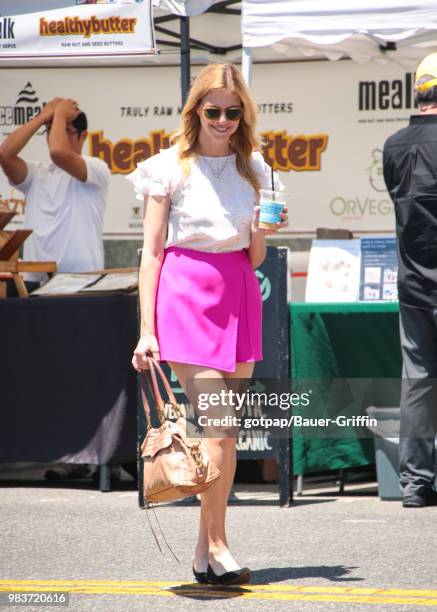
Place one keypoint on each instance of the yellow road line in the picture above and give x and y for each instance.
(280, 592)
(174, 583)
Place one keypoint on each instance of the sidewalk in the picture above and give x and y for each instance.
(327, 552)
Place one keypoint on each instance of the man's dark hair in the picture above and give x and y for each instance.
(80, 123)
(427, 97)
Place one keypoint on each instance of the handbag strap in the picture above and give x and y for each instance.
(149, 376)
(144, 381)
(165, 382)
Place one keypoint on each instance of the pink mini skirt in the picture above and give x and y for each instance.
(208, 309)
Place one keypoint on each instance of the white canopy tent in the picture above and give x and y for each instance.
(185, 8)
(381, 30)
(278, 30)
(275, 30)
(359, 30)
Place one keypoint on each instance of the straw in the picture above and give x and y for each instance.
(273, 183)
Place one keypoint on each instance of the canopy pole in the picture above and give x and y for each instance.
(246, 66)
(185, 57)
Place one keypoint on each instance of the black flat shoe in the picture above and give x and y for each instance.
(241, 576)
(200, 576)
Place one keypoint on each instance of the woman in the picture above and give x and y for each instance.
(200, 299)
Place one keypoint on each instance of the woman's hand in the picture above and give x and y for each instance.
(255, 223)
(146, 344)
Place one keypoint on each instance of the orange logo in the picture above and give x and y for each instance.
(86, 27)
(282, 152)
(123, 156)
(299, 153)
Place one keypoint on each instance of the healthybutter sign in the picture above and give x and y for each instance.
(323, 125)
(78, 32)
(299, 153)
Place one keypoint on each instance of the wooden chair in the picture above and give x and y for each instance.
(10, 243)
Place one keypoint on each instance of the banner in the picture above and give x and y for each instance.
(323, 123)
(85, 31)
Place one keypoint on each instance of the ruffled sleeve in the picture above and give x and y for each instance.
(264, 172)
(151, 177)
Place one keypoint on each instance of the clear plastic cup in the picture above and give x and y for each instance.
(271, 204)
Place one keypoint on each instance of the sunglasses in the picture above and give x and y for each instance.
(213, 113)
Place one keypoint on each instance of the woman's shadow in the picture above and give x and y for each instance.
(267, 576)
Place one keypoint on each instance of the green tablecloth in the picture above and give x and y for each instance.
(345, 340)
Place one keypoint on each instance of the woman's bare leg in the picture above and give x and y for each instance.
(243, 371)
(212, 542)
(214, 382)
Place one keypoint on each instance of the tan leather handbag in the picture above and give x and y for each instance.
(174, 466)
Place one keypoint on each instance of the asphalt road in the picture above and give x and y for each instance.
(326, 552)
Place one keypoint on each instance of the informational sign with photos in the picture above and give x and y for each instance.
(362, 269)
(379, 269)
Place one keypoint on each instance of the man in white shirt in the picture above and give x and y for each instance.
(65, 200)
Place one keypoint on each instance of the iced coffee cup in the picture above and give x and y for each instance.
(271, 205)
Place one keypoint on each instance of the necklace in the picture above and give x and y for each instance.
(216, 171)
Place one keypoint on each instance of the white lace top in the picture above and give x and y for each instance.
(212, 208)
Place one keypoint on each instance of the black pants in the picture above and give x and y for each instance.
(417, 457)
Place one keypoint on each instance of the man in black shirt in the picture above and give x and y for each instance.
(410, 173)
